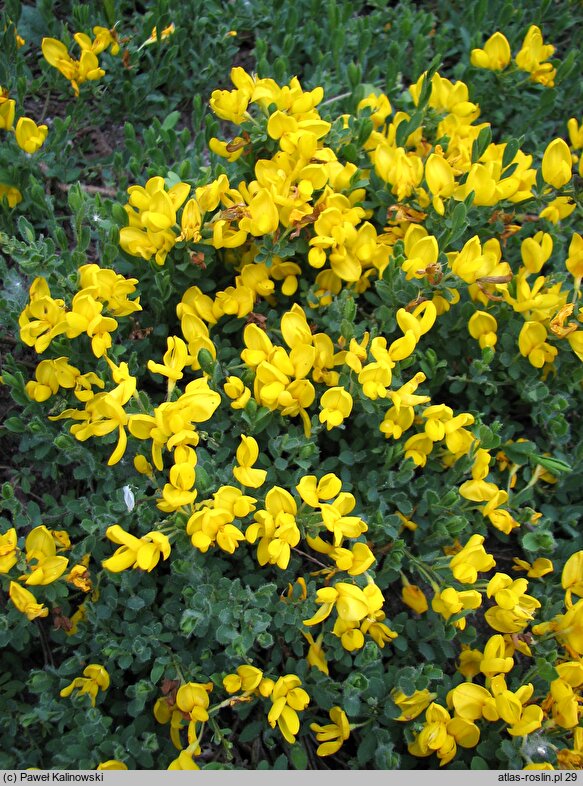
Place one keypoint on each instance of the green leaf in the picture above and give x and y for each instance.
(520, 452)
(109, 10)
(553, 465)
(281, 762)
(546, 670)
(298, 757)
(481, 143)
(510, 151)
(15, 425)
(158, 670)
(538, 542)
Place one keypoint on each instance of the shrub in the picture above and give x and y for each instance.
(295, 426)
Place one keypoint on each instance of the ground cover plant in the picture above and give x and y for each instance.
(291, 385)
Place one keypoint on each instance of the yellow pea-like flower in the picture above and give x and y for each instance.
(482, 327)
(25, 602)
(29, 136)
(557, 163)
(495, 55)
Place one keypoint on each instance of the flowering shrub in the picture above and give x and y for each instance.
(317, 384)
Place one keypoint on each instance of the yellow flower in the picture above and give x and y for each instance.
(247, 455)
(336, 405)
(514, 608)
(471, 560)
(288, 699)
(469, 662)
(193, 698)
(43, 318)
(166, 33)
(175, 359)
(533, 55)
(313, 491)
(213, 524)
(332, 735)
(532, 344)
(449, 602)
(380, 106)
(261, 215)
(237, 392)
(354, 561)
(418, 447)
(572, 576)
(95, 679)
(40, 547)
(173, 423)
(535, 251)
(575, 130)
(26, 602)
(401, 170)
(530, 720)
(8, 550)
(79, 577)
(190, 222)
(276, 527)
(29, 136)
(483, 327)
(572, 759)
(469, 701)
(352, 603)
(412, 706)
(76, 71)
(440, 180)
(11, 194)
(495, 659)
(105, 38)
(86, 317)
(574, 262)
(468, 263)
(442, 733)
(184, 760)
(315, 657)
(565, 707)
(230, 105)
(247, 678)
(143, 553)
(7, 110)
(557, 163)
(495, 55)
(561, 207)
(540, 567)
(414, 598)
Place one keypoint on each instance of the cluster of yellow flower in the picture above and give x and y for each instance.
(533, 56)
(29, 137)
(190, 702)
(493, 702)
(45, 318)
(87, 67)
(44, 564)
(304, 190)
(304, 185)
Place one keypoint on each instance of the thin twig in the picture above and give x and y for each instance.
(43, 114)
(48, 655)
(90, 189)
(309, 556)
